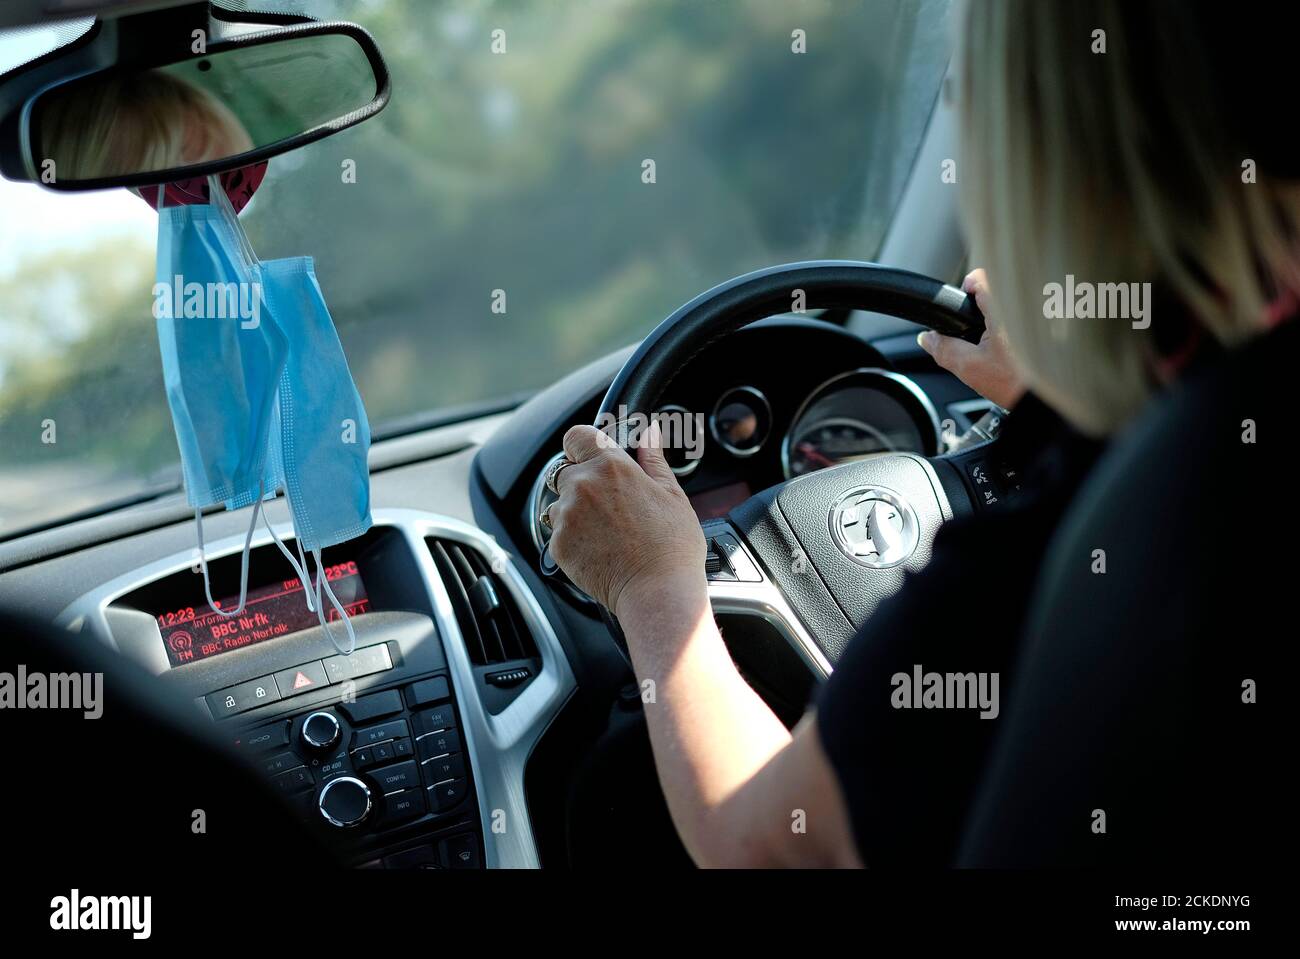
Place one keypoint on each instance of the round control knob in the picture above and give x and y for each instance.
(321, 731)
(344, 802)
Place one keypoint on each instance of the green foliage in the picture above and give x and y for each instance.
(519, 172)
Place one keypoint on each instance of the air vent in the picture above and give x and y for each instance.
(489, 618)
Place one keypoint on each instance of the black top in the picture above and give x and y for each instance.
(1137, 705)
(908, 775)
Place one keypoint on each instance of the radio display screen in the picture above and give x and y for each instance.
(276, 609)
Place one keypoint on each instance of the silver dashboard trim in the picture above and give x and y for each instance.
(717, 433)
(681, 472)
(766, 601)
(497, 746)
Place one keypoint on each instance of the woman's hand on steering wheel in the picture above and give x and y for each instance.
(623, 527)
(986, 367)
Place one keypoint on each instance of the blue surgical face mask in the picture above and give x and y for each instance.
(275, 409)
(221, 361)
(324, 433)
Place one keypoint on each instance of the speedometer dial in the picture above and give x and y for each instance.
(859, 414)
(832, 441)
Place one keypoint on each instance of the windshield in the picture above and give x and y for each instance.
(512, 214)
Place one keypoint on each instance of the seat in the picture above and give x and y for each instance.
(94, 793)
(1127, 694)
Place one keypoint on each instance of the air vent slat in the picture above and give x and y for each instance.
(448, 570)
(501, 646)
(490, 620)
(463, 567)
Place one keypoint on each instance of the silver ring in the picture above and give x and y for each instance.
(553, 474)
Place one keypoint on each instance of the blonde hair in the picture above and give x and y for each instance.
(133, 123)
(1114, 167)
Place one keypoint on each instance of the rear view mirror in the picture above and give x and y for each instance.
(238, 103)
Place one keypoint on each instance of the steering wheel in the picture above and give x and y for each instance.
(815, 554)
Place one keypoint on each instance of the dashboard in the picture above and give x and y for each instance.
(851, 415)
(453, 706)
(779, 400)
(194, 633)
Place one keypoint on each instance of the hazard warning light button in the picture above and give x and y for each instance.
(301, 679)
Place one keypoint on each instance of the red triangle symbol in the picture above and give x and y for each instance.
(301, 680)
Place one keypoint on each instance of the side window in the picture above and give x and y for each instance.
(83, 419)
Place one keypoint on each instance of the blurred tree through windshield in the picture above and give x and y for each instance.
(520, 172)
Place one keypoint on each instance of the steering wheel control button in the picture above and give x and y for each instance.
(727, 561)
(344, 802)
(875, 527)
(321, 731)
(992, 483)
(1009, 479)
(980, 473)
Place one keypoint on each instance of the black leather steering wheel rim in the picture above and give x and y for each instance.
(825, 284)
(761, 521)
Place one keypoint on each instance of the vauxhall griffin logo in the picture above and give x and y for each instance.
(874, 526)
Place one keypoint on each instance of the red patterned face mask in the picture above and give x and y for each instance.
(240, 186)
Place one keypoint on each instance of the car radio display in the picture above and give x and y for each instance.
(277, 609)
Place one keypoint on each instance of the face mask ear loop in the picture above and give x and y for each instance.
(306, 583)
(300, 570)
(334, 600)
(243, 563)
(217, 198)
(303, 570)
